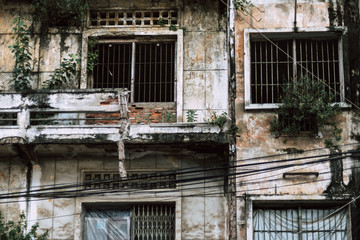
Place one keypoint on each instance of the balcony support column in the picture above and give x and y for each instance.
(121, 150)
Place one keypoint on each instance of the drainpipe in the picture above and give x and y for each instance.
(295, 13)
(231, 191)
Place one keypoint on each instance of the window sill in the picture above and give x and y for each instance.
(266, 106)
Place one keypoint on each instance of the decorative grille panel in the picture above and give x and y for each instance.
(135, 180)
(134, 18)
(153, 222)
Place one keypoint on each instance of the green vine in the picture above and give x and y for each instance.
(306, 99)
(242, 5)
(21, 49)
(64, 73)
(93, 54)
(60, 13)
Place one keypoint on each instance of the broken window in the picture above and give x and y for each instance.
(131, 222)
(145, 66)
(300, 223)
(278, 58)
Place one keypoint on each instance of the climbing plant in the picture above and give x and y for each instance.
(303, 99)
(11, 230)
(21, 77)
(93, 54)
(63, 75)
(242, 5)
(59, 13)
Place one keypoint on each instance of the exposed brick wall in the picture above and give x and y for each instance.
(138, 113)
(152, 113)
(105, 118)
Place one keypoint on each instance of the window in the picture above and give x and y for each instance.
(280, 57)
(145, 66)
(300, 223)
(131, 222)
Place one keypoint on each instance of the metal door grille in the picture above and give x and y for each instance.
(272, 66)
(153, 222)
(299, 223)
(145, 68)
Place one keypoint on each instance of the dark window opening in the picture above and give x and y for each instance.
(151, 65)
(275, 63)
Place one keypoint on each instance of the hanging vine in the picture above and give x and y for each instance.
(21, 77)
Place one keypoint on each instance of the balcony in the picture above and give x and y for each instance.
(66, 116)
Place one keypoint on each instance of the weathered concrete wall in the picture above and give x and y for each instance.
(201, 203)
(203, 83)
(258, 150)
(47, 50)
(205, 58)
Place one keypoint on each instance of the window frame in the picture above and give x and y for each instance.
(283, 33)
(286, 202)
(118, 32)
(83, 202)
(132, 42)
(131, 209)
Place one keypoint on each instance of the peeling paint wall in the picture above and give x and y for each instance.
(262, 149)
(202, 85)
(201, 205)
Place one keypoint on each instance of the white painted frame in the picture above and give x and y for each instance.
(121, 32)
(247, 62)
(249, 206)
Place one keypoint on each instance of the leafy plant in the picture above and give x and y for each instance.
(242, 5)
(191, 115)
(21, 49)
(167, 116)
(162, 22)
(60, 13)
(18, 230)
(93, 54)
(233, 129)
(305, 99)
(218, 120)
(64, 73)
(174, 28)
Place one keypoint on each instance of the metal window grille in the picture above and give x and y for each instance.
(145, 68)
(164, 17)
(300, 223)
(307, 124)
(135, 180)
(272, 66)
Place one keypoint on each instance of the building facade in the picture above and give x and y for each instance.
(128, 149)
(294, 185)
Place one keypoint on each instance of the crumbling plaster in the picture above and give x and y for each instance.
(198, 216)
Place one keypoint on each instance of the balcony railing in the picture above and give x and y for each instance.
(63, 116)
